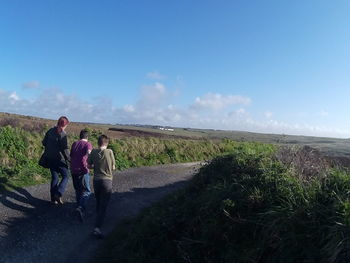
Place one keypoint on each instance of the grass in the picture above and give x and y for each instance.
(20, 151)
(19, 154)
(246, 206)
(133, 152)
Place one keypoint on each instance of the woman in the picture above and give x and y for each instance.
(57, 155)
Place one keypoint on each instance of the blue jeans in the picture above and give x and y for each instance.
(81, 183)
(58, 188)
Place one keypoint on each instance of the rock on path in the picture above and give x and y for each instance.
(33, 230)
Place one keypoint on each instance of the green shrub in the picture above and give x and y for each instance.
(242, 207)
(20, 151)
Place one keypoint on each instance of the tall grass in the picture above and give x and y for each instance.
(244, 207)
(21, 149)
(19, 154)
(131, 152)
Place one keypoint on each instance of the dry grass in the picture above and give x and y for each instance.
(306, 162)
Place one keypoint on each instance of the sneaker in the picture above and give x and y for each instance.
(58, 199)
(80, 214)
(54, 202)
(97, 233)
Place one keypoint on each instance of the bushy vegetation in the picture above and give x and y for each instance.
(20, 151)
(19, 154)
(132, 152)
(246, 206)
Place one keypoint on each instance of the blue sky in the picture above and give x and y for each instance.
(264, 66)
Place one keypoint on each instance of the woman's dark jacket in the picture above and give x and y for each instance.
(56, 146)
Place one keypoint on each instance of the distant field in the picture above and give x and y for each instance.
(330, 146)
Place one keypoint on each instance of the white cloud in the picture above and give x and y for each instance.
(152, 96)
(129, 108)
(323, 113)
(216, 102)
(238, 113)
(268, 114)
(13, 97)
(155, 75)
(31, 85)
(51, 103)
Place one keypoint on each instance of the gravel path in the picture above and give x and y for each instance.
(33, 230)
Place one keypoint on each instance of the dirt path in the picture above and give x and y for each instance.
(33, 230)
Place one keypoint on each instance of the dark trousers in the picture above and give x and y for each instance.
(58, 187)
(81, 183)
(103, 192)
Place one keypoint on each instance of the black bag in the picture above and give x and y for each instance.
(43, 161)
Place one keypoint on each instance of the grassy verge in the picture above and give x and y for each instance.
(19, 154)
(21, 149)
(246, 206)
(133, 152)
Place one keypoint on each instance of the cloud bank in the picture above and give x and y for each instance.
(157, 105)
